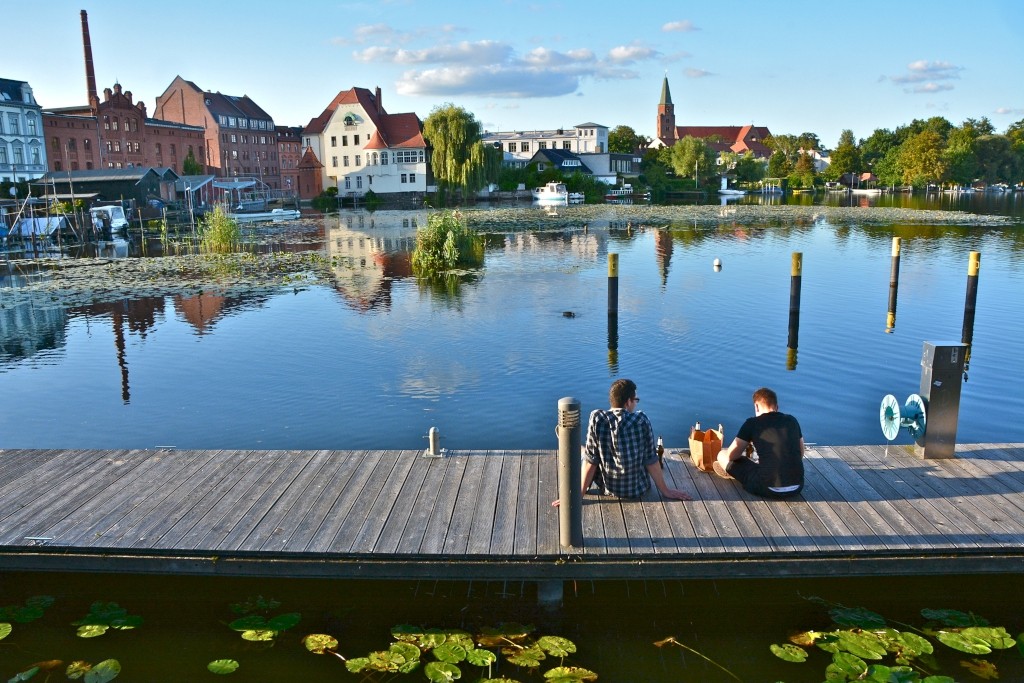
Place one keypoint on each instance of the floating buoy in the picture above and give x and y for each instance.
(718, 264)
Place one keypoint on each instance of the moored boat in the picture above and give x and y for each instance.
(272, 215)
(553, 192)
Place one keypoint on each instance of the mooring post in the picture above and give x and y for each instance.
(613, 284)
(613, 342)
(894, 285)
(973, 266)
(795, 272)
(570, 498)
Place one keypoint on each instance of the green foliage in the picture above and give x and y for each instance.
(327, 200)
(222, 666)
(865, 637)
(33, 609)
(219, 233)
(444, 244)
(458, 157)
(625, 140)
(692, 158)
(190, 166)
(845, 157)
(922, 159)
(104, 616)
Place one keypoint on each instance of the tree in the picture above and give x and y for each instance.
(804, 173)
(922, 159)
(458, 158)
(961, 159)
(888, 169)
(748, 168)
(789, 145)
(691, 157)
(845, 157)
(624, 140)
(190, 166)
(874, 148)
(778, 165)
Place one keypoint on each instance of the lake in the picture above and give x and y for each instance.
(373, 358)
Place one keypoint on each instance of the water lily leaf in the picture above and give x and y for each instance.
(41, 601)
(105, 671)
(856, 616)
(450, 653)
(126, 623)
(259, 635)
(556, 646)
(248, 623)
(938, 679)
(958, 641)
(846, 666)
(407, 633)
(24, 675)
(318, 643)
(23, 615)
(806, 638)
(877, 673)
(357, 664)
(996, 637)
(77, 669)
(433, 637)
(407, 651)
(5, 630)
(222, 666)
(569, 674)
(442, 672)
(459, 637)
(1020, 642)
(863, 644)
(480, 657)
(527, 657)
(828, 642)
(954, 618)
(789, 653)
(91, 631)
(912, 645)
(981, 668)
(491, 636)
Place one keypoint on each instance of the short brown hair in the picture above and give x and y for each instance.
(767, 397)
(622, 390)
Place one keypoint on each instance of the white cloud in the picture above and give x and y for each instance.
(927, 73)
(697, 73)
(1009, 110)
(683, 26)
(487, 81)
(628, 54)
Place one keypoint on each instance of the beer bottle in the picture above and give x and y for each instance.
(661, 453)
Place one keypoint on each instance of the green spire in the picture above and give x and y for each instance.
(666, 96)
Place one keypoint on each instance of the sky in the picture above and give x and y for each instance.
(793, 66)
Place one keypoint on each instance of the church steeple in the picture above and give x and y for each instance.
(666, 115)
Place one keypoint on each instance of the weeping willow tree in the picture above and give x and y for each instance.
(459, 159)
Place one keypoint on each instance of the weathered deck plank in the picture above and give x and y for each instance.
(487, 514)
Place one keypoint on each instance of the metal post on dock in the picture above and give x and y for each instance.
(973, 266)
(613, 342)
(613, 284)
(570, 498)
(894, 285)
(795, 272)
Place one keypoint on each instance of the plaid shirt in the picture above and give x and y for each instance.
(621, 444)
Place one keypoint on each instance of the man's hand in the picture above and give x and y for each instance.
(675, 494)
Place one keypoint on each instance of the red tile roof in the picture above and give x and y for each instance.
(393, 130)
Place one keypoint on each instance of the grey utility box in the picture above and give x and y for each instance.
(942, 371)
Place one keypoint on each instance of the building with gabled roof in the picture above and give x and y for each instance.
(241, 139)
(518, 147)
(738, 139)
(361, 147)
(22, 152)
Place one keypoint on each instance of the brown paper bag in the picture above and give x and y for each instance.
(705, 446)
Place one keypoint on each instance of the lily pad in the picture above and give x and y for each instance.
(442, 672)
(847, 664)
(856, 616)
(318, 643)
(527, 657)
(569, 674)
(789, 653)
(954, 618)
(5, 630)
(77, 669)
(449, 652)
(24, 675)
(259, 635)
(863, 644)
(556, 646)
(222, 666)
(283, 622)
(91, 631)
(480, 657)
(105, 671)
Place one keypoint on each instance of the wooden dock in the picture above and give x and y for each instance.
(487, 515)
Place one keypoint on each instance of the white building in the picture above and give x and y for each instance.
(22, 147)
(363, 148)
(520, 146)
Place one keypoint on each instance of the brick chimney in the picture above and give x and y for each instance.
(90, 74)
(376, 96)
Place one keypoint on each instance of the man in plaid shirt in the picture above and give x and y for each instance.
(620, 456)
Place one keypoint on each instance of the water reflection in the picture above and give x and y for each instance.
(367, 255)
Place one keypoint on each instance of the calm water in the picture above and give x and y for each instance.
(377, 359)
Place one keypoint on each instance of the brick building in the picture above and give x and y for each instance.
(738, 139)
(240, 137)
(289, 150)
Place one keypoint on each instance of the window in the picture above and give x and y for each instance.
(334, 141)
(88, 165)
(369, 180)
(344, 141)
(355, 139)
(334, 162)
(384, 158)
(35, 155)
(372, 158)
(71, 145)
(117, 145)
(412, 177)
(263, 139)
(113, 123)
(234, 155)
(86, 145)
(31, 124)
(243, 123)
(405, 178)
(344, 161)
(359, 182)
(18, 158)
(358, 158)
(232, 121)
(566, 144)
(511, 146)
(56, 166)
(110, 146)
(234, 138)
(3, 154)
(159, 149)
(408, 157)
(106, 123)
(174, 150)
(524, 147)
(348, 183)
(542, 145)
(56, 144)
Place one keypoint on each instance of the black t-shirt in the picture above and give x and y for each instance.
(776, 436)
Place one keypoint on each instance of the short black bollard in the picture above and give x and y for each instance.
(796, 270)
(613, 284)
(570, 498)
(973, 266)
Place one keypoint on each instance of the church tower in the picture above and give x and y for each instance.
(666, 115)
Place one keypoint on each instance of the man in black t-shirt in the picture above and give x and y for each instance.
(778, 471)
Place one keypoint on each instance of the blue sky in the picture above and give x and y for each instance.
(794, 66)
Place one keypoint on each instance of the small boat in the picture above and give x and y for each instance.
(272, 215)
(553, 192)
(730, 192)
(866, 190)
(625, 194)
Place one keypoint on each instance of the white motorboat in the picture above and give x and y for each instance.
(730, 192)
(553, 192)
(272, 215)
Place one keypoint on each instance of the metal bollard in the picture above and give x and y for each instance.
(570, 498)
(894, 285)
(613, 284)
